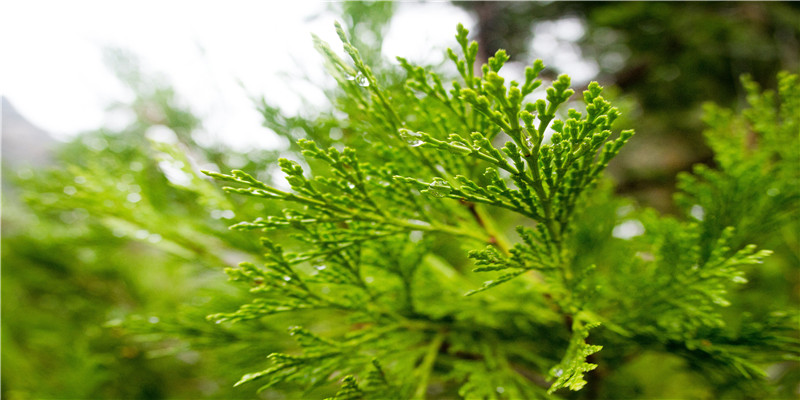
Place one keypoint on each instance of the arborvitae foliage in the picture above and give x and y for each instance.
(406, 187)
(431, 180)
(124, 225)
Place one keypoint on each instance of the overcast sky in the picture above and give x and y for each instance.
(53, 70)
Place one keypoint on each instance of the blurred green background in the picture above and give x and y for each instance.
(113, 247)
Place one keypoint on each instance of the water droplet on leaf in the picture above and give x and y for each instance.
(362, 80)
(359, 79)
(439, 188)
(529, 142)
(412, 138)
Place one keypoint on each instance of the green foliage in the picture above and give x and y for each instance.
(113, 254)
(569, 372)
(670, 56)
(435, 237)
(426, 172)
(754, 188)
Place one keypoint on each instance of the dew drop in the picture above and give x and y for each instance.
(436, 193)
(529, 142)
(362, 80)
(412, 138)
(287, 278)
(439, 188)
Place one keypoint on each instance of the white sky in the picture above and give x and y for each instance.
(52, 67)
(53, 71)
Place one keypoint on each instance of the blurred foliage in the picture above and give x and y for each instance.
(123, 226)
(667, 58)
(673, 56)
(367, 23)
(113, 258)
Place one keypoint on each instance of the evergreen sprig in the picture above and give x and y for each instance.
(426, 170)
